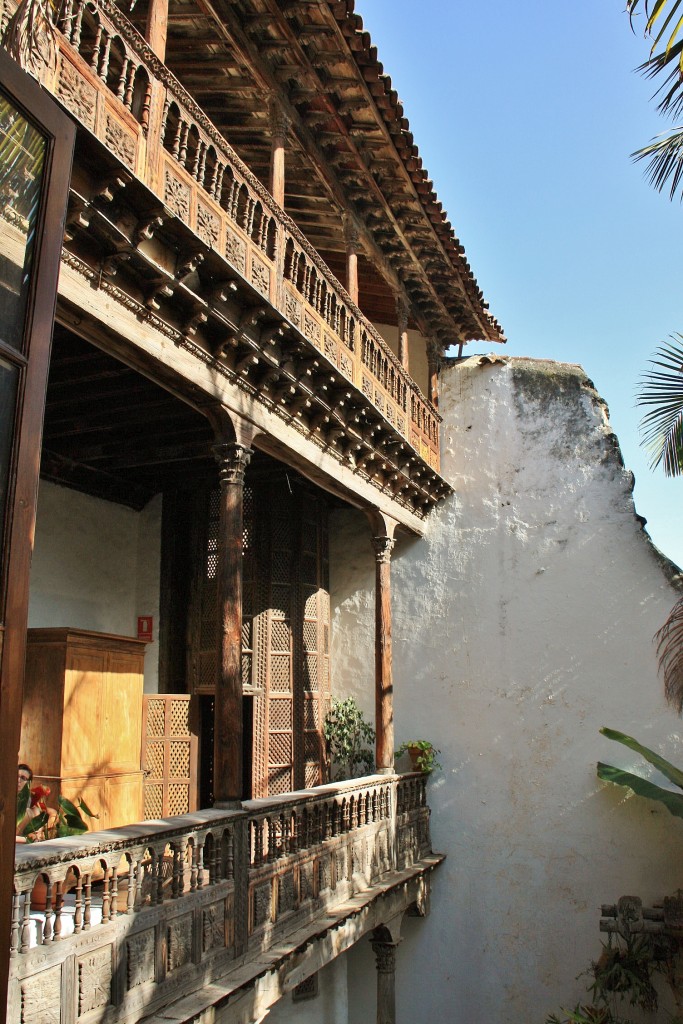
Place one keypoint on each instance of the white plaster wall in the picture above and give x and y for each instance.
(522, 623)
(330, 1006)
(96, 566)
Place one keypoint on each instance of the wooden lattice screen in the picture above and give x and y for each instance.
(285, 632)
(169, 755)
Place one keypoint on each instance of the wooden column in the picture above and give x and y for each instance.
(383, 543)
(433, 363)
(156, 28)
(402, 320)
(352, 238)
(233, 459)
(385, 962)
(279, 126)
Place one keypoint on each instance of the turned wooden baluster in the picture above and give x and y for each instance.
(111, 882)
(78, 910)
(158, 875)
(121, 86)
(230, 859)
(272, 839)
(193, 866)
(95, 59)
(196, 163)
(16, 917)
(146, 105)
(26, 924)
(87, 902)
(104, 63)
(182, 152)
(249, 216)
(106, 897)
(59, 903)
(47, 927)
(78, 27)
(201, 169)
(200, 865)
(216, 183)
(130, 83)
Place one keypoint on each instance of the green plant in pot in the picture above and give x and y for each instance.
(347, 735)
(422, 755)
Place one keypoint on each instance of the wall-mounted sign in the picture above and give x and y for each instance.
(145, 628)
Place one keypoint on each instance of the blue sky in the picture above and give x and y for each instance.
(525, 117)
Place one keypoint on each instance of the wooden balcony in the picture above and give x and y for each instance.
(113, 84)
(205, 905)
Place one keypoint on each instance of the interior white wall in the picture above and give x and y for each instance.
(96, 566)
(417, 353)
(330, 1006)
(522, 623)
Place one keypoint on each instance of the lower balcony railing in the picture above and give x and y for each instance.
(115, 924)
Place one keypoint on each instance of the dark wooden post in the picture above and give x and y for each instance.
(233, 459)
(385, 962)
(383, 543)
(351, 237)
(279, 126)
(433, 362)
(156, 28)
(402, 320)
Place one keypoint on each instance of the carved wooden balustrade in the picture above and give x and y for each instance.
(112, 82)
(136, 917)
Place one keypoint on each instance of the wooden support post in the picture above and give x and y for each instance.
(383, 543)
(156, 28)
(279, 127)
(402, 320)
(433, 363)
(385, 962)
(233, 459)
(352, 237)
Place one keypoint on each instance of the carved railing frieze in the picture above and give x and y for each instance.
(108, 77)
(163, 900)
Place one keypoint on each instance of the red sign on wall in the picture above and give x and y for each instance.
(145, 627)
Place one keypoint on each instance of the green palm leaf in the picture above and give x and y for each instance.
(661, 390)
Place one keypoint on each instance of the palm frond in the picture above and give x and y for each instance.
(661, 390)
(665, 161)
(670, 652)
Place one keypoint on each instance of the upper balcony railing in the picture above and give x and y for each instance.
(128, 920)
(111, 81)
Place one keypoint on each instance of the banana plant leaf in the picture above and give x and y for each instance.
(672, 773)
(23, 797)
(36, 824)
(642, 787)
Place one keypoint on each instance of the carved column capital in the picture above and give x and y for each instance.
(351, 234)
(232, 459)
(402, 311)
(385, 956)
(383, 547)
(279, 121)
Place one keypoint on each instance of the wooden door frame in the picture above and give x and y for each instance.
(17, 544)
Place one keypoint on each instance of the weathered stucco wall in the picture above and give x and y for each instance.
(96, 566)
(328, 1006)
(522, 624)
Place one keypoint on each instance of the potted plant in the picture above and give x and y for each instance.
(48, 823)
(422, 755)
(346, 734)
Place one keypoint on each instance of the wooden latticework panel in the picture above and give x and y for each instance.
(285, 626)
(291, 632)
(169, 755)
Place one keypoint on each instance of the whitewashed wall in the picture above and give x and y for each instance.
(96, 566)
(522, 624)
(329, 1006)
